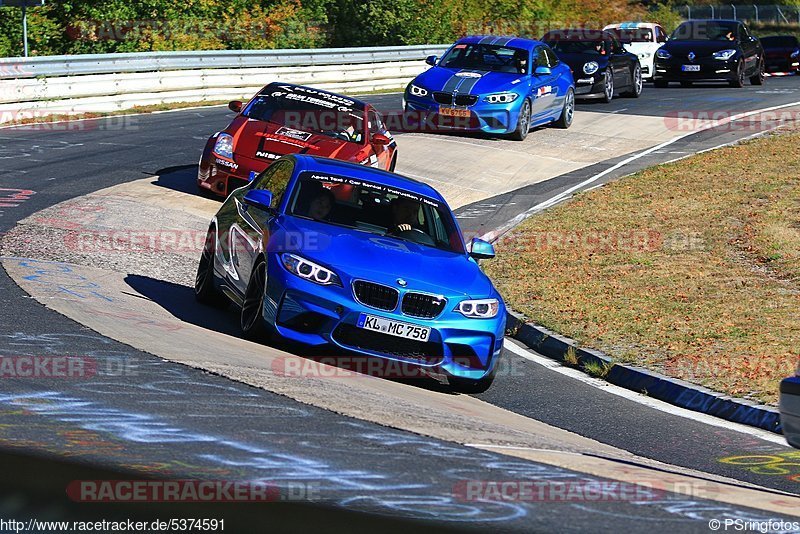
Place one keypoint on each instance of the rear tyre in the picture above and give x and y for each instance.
(739, 81)
(661, 83)
(472, 387)
(254, 326)
(205, 291)
(636, 83)
(568, 111)
(758, 78)
(523, 122)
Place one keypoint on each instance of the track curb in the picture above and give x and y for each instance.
(655, 385)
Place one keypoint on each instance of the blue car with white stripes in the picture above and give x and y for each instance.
(496, 85)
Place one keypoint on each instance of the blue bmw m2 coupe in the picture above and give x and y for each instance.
(323, 252)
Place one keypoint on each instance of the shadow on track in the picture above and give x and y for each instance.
(182, 178)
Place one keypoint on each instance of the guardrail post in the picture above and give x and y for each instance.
(712, 10)
(734, 11)
(25, 28)
(688, 12)
(756, 8)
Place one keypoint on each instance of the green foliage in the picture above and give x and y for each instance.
(665, 14)
(89, 26)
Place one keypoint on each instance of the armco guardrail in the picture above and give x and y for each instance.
(109, 82)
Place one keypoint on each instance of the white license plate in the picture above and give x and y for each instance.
(393, 328)
(690, 68)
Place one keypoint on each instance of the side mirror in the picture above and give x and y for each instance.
(380, 139)
(431, 60)
(259, 198)
(481, 250)
(542, 71)
(235, 105)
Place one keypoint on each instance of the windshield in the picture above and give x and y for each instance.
(375, 208)
(310, 111)
(634, 35)
(706, 30)
(486, 57)
(575, 46)
(783, 41)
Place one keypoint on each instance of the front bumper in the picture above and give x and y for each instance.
(310, 314)
(782, 64)
(590, 86)
(790, 410)
(709, 70)
(483, 117)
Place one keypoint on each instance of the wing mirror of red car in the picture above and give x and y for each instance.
(235, 105)
(380, 139)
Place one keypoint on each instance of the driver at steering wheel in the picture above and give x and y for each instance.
(405, 214)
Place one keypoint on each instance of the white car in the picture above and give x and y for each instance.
(642, 39)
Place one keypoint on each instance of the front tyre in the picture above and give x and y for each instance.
(636, 83)
(758, 78)
(523, 122)
(739, 81)
(205, 291)
(568, 111)
(254, 326)
(608, 86)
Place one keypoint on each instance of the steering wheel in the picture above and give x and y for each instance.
(417, 236)
(344, 136)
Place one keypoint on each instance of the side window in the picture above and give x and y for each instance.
(743, 37)
(275, 179)
(375, 124)
(661, 35)
(552, 59)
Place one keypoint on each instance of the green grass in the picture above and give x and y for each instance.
(691, 269)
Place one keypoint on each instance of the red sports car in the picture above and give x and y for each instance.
(289, 119)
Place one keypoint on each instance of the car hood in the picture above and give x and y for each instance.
(700, 48)
(267, 141)
(576, 62)
(641, 48)
(467, 81)
(356, 254)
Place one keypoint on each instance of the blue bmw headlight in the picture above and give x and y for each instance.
(310, 270)
(590, 67)
(501, 98)
(224, 146)
(479, 309)
(724, 55)
(663, 54)
(416, 90)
